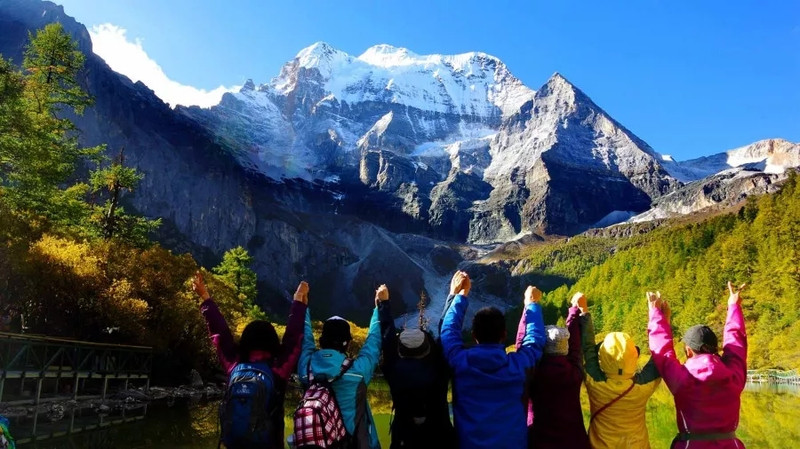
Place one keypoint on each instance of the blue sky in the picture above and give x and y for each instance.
(689, 77)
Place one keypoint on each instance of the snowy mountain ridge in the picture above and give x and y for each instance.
(472, 83)
(772, 156)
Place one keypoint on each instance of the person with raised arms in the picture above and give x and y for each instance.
(707, 388)
(618, 390)
(555, 418)
(347, 378)
(418, 377)
(259, 366)
(489, 386)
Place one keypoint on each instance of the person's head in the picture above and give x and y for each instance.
(700, 339)
(618, 355)
(489, 326)
(335, 334)
(258, 335)
(413, 343)
(557, 340)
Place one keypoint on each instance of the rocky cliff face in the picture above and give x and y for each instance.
(455, 143)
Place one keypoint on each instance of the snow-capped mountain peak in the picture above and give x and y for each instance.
(319, 54)
(474, 84)
(768, 155)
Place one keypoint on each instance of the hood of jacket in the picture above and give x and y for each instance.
(487, 357)
(618, 356)
(327, 362)
(708, 368)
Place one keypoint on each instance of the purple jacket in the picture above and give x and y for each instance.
(283, 363)
(707, 387)
(555, 391)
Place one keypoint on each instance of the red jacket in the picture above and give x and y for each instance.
(555, 391)
(707, 387)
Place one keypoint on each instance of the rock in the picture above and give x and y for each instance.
(195, 380)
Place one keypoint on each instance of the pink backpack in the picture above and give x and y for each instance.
(318, 421)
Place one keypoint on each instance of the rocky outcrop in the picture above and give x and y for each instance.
(716, 192)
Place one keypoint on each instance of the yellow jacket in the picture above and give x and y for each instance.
(611, 368)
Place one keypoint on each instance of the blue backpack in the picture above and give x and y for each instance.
(246, 413)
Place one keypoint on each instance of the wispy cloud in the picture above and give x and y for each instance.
(129, 58)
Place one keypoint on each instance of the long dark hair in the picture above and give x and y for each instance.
(259, 335)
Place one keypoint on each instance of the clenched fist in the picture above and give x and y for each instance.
(301, 294)
(199, 286)
(532, 295)
(381, 294)
(579, 301)
(460, 284)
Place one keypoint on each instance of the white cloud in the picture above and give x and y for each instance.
(129, 58)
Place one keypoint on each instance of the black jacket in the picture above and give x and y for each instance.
(418, 383)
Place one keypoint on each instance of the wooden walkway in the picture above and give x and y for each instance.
(772, 376)
(62, 365)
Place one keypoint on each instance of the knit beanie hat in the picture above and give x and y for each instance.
(413, 343)
(335, 334)
(557, 340)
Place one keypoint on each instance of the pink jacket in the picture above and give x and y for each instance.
(707, 387)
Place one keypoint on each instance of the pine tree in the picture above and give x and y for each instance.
(39, 147)
(235, 271)
(110, 218)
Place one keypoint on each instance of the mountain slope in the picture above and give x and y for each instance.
(561, 165)
(724, 179)
(769, 156)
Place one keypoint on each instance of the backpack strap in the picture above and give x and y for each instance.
(346, 365)
(612, 402)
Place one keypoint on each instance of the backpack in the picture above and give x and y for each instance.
(318, 421)
(246, 411)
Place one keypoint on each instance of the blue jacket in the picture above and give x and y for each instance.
(329, 362)
(489, 398)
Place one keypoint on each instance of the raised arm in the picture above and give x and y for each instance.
(574, 327)
(218, 330)
(370, 353)
(530, 350)
(453, 320)
(521, 328)
(662, 350)
(734, 345)
(307, 349)
(447, 303)
(286, 360)
(388, 330)
(590, 362)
